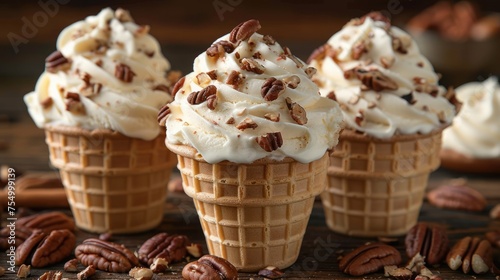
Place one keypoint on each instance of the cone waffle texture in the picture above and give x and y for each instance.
(376, 187)
(253, 215)
(114, 183)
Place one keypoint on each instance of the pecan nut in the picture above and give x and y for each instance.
(124, 73)
(178, 85)
(219, 48)
(430, 241)
(163, 114)
(51, 275)
(456, 195)
(369, 258)
(244, 31)
(105, 255)
(170, 247)
(297, 112)
(270, 141)
(374, 79)
(272, 88)
(56, 62)
(47, 221)
(208, 94)
(88, 272)
(22, 233)
(210, 267)
(42, 249)
(469, 252)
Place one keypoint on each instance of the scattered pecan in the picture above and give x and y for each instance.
(359, 118)
(106, 236)
(210, 267)
(369, 258)
(288, 54)
(456, 195)
(195, 250)
(400, 273)
(163, 114)
(310, 71)
(124, 73)
(493, 237)
(292, 81)
(374, 79)
(234, 79)
(141, 273)
(178, 85)
(332, 95)
(105, 255)
(231, 120)
(401, 44)
(387, 61)
(24, 271)
(22, 233)
(270, 141)
(162, 87)
(272, 88)
(251, 65)
(297, 112)
(71, 265)
(42, 249)
(47, 102)
(208, 94)
(271, 272)
(51, 275)
(163, 245)
(469, 252)
(212, 74)
(321, 52)
(88, 272)
(428, 240)
(219, 48)
(203, 79)
(268, 39)
(56, 62)
(244, 31)
(358, 50)
(47, 221)
(246, 123)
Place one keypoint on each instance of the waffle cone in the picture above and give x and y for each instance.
(114, 183)
(376, 187)
(253, 215)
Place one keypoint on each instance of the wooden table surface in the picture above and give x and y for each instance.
(24, 147)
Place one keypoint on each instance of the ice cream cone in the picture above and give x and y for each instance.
(114, 183)
(376, 186)
(253, 215)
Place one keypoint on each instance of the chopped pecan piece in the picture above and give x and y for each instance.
(105, 255)
(56, 62)
(272, 88)
(178, 85)
(47, 102)
(163, 245)
(51, 275)
(369, 258)
(457, 195)
(401, 44)
(310, 71)
(408, 98)
(159, 265)
(231, 120)
(124, 73)
(270, 141)
(141, 273)
(71, 265)
(269, 40)
(246, 123)
(359, 118)
(244, 31)
(292, 81)
(42, 249)
(219, 48)
(234, 79)
(208, 94)
(195, 250)
(210, 267)
(430, 241)
(212, 74)
(73, 103)
(297, 112)
(332, 95)
(163, 114)
(123, 15)
(271, 272)
(203, 79)
(387, 61)
(321, 52)
(88, 272)
(274, 117)
(251, 65)
(358, 50)
(374, 79)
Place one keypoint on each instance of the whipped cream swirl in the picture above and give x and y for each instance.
(254, 100)
(383, 84)
(107, 72)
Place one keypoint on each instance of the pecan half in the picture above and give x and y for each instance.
(369, 258)
(251, 65)
(234, 79)
(274, 117)
(24, 271)
(270, 141)
(208, 94)
(22, 233)
(124, 73)
(456, 195)
(210, 267)
(56, 62)
(163, 114)
(219, 48)
(73, 103)
(428, 240)
(292, 81)
(105, 255)
(47, 221)
(163, 245)
(468, 252)
(374, 79)
(178, 85)
(272, 88)
(297, 112)
(244, 31)
(42, 249)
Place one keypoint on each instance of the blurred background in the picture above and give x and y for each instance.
(449, 36)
